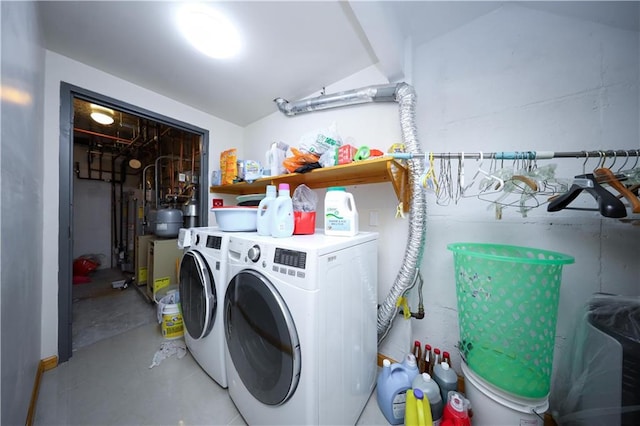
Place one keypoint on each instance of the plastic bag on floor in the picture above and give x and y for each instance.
(167, 349)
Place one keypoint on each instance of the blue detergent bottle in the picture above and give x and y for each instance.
(393, 382)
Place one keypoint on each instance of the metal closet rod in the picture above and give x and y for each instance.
(521, 155)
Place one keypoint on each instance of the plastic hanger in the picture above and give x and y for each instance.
(608, 204)
(428, 179)
(488, 184)
(605, 175)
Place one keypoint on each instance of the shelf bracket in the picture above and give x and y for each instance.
(400, 180)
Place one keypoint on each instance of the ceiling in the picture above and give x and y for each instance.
(291, 49)
(130, 136)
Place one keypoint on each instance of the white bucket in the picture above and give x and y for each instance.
(494, 407)
(169, 316)
(172, 327)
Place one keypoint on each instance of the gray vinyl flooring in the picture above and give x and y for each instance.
(108, 380)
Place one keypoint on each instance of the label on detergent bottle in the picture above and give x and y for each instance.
(399, 404)
(340, 214)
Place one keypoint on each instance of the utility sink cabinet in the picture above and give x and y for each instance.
(374, 170)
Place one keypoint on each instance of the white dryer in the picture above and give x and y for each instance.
(202, 284)
(300, 327)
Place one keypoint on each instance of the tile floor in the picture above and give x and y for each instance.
(110, 383)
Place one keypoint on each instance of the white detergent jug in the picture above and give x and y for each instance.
(340, 213)
(282, 222)
(265, 211)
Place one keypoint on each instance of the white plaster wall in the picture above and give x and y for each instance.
(21, 154)
(92, 222)
(515, 79)
(375, 125)
(92, 214)
(519, 79)
(222, 135)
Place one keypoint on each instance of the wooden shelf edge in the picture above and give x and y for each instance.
(370, 171)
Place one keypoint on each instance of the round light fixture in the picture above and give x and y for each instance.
(209, 31)
(101, 114)
(135, 163)
(102, 118)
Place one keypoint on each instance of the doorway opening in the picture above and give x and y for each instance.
(119, 166)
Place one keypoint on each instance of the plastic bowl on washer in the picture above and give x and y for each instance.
(250, 199)
(236, 218)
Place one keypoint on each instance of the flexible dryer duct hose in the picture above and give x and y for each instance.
(405, 95)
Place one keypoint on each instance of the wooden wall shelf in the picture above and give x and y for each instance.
(375, 170)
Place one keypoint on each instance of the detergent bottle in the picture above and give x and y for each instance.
(265, 210)
(431, 391)
(410, 409)
(282, 222)
(446, 378)
(393, 382)
(456, 412)
(417, 411)
(340, 213)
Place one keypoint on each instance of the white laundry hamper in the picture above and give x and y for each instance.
(494, 407)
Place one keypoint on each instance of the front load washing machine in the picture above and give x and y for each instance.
(202, 283)
(300, 327)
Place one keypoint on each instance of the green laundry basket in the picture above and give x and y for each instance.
(507, 310)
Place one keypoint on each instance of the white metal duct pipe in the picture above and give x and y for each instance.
(379, 93)
(405, 95)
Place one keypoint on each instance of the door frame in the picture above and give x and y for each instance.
(68, 93)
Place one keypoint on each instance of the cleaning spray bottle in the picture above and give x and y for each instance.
(265, 210)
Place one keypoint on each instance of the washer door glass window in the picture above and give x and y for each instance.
(197, 295)
(261, 338)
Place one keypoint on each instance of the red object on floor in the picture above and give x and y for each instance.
(83, 266)
(78, 279)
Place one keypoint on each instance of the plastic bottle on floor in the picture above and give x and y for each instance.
(265, 210)
(417, 412)
(393, 382)
(282, 220)
(446, 378)
(430, 388)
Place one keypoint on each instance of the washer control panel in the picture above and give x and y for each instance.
(296, 259)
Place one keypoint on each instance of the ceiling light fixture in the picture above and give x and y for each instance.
(209, 31)
(134, 163)
(101, 115)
